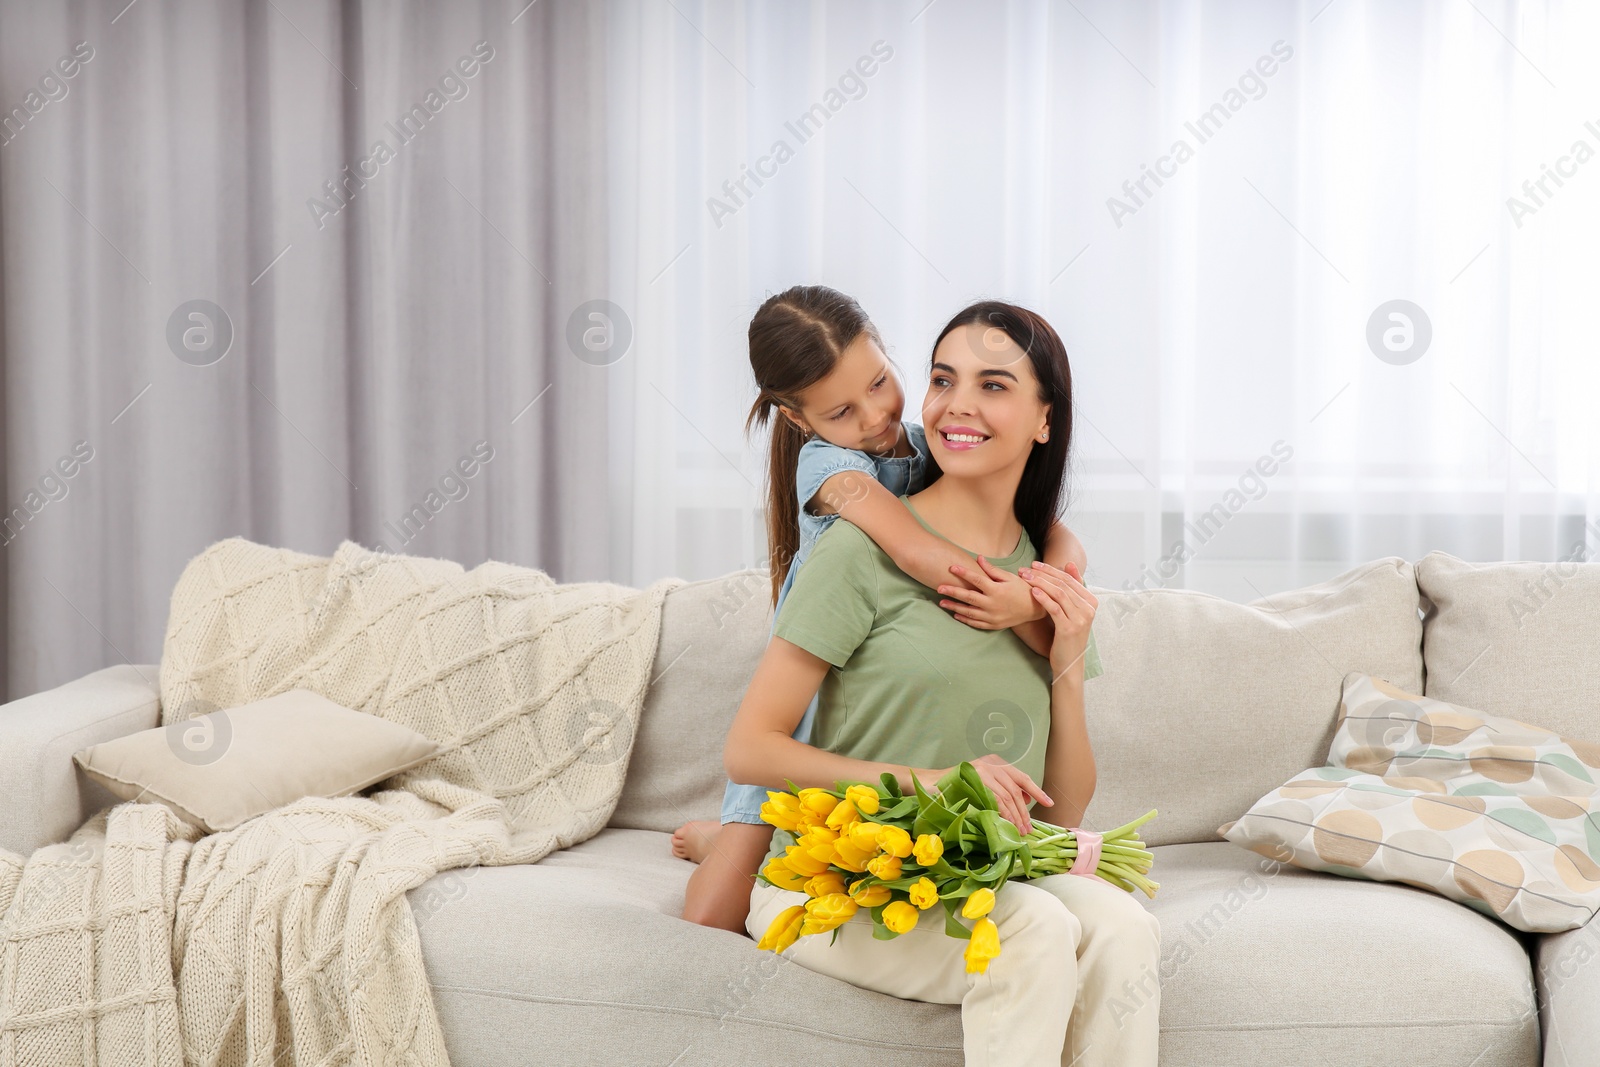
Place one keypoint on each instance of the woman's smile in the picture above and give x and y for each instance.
(960, 438)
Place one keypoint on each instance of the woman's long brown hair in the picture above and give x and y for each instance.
(796, 340)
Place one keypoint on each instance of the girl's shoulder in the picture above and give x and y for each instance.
(819, 460)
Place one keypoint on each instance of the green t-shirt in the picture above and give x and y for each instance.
(910, 684)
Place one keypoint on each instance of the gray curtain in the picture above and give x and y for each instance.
(400, 370)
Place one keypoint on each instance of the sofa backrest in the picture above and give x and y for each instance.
(1515, 639)
(1205, 705)
(713, 633)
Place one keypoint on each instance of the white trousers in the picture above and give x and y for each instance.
(1077, 982)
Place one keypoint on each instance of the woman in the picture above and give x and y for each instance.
(914, 691)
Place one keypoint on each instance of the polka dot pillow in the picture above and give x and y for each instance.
(1492, 812)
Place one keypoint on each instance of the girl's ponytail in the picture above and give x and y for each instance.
(796, 339)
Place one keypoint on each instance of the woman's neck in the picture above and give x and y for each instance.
(976, 514)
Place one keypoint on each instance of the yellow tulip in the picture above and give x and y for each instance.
(843, 815)
(894, 841)
(825, 912)
(979, 903)
(807, 820)
(818, 843)
(781, 810)
(924, 894)
(928, 849)
(782, 875)
(983, 946)
(869, 896)
(887, 868)
(784, 929)
(864, 797)
(817, 801)
(821, 885)
(900, 916)
(849, 858)
(864, 835)
(802, 862)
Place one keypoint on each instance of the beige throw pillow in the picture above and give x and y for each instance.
(1492, 812)
(220, 769)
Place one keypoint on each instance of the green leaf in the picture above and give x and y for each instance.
(997, 871)
(952, 833)
(980, 792)
(905, 883)
(1000, 832)
(900, 809)
(952, 925)
(891, 784)
(932, 819)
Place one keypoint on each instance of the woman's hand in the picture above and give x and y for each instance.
(998, 599)
(1071, 607)
(1011, 787)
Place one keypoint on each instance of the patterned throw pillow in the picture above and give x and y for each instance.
(1488, 811)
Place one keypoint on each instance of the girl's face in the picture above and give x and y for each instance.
(859, 404)
(982, 413)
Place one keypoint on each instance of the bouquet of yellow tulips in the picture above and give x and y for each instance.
(898, 856)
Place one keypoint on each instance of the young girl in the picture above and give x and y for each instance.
(900, 685)
(840, 449)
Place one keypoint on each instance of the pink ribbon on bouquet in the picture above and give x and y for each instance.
(1088, 856)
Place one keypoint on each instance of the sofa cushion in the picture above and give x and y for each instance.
(1265, 963)
(1514, 639)
(1207, 704)
(713, 634)
(582, 959)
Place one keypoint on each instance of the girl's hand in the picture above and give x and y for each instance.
(1011, 787)
(998, 599)
(1071, 607)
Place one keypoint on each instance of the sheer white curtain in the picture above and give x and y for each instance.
(1254, 410)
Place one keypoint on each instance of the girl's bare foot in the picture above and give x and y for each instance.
(692, 840)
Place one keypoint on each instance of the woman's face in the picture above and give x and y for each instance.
(859, 404)
(982, 413)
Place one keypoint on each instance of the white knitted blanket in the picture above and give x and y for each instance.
(141, 940)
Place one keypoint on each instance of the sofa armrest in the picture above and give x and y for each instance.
(43, 794)
(1567, 970)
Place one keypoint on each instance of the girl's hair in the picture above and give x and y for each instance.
(1039, 493)
(796, 340)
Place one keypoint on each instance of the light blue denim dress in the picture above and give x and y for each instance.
(818, 462)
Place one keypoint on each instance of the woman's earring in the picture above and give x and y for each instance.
(1046, 435)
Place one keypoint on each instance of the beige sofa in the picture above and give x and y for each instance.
(1205, 705)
